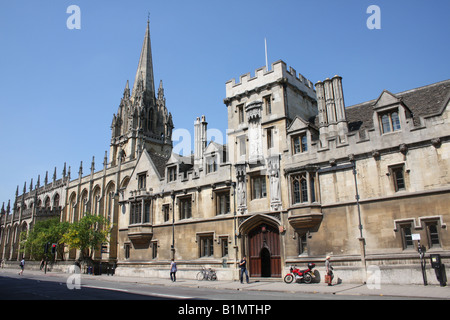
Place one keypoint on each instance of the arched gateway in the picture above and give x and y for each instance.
(261, 243)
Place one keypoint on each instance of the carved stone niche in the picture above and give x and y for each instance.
(305, 218)
(140, 235)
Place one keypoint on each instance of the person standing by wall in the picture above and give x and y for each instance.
(173, 271)
(329, 270)
(22, 266)
(243, 265)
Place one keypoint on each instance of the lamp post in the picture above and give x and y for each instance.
(234, 221)
(421, 251)
(362, 241)
(172, 195)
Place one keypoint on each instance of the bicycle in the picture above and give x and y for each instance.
(207, 274)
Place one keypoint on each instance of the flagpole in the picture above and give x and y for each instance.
(267, 64)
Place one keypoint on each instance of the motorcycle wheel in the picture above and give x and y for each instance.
(288, 278)
(307, 278)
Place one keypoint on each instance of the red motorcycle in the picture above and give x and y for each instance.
(305, 275)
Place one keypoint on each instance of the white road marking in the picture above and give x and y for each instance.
(160, 295)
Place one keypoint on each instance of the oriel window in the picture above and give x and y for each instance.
(136, 212)
(299, 188)
(147, 209)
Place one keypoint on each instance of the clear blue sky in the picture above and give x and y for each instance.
(60, 87)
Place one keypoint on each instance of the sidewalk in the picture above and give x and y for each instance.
(412, 291)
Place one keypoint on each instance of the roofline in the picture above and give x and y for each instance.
(399, 93)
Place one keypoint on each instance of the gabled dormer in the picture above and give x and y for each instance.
(390, 113)
(214, 156)
(177, 167)
(144, 177)
(301, 135)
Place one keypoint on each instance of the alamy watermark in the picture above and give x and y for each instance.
(374, 21)
(373, 278)
(74, 20)
(74, 280)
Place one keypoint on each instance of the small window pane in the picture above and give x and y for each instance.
(395, 121)
(386, 123)
(407, 237)
(433, 235)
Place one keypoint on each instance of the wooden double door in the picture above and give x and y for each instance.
(264, 252)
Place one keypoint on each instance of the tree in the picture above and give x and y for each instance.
(45, 231)
(87, 234)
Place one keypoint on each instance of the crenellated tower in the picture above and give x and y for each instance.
(142, 120)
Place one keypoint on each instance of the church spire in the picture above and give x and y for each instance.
(144, 71)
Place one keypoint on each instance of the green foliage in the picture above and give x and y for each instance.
(46, 231)
(87, 234)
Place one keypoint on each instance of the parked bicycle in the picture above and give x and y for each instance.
(207, 274)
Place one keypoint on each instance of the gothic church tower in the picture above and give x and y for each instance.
(142, 120)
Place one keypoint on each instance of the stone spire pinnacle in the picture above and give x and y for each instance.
(126, 91)
(144, 71)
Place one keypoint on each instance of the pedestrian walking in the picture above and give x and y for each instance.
(41, 266)
(243, 265)
(329, 270)
(22, 266)
(173, 271)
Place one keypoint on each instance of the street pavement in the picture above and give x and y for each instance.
(387, 290)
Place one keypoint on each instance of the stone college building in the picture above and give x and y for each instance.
(301, 177)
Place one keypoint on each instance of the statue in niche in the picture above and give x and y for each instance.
(255, 141)
(241, 191)
(253, 111)
(274, 178)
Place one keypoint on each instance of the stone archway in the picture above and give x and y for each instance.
(262, 246)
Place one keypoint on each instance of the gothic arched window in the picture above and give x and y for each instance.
(47, 203)
(56, 201)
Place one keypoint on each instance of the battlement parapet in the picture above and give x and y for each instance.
(278, 74)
